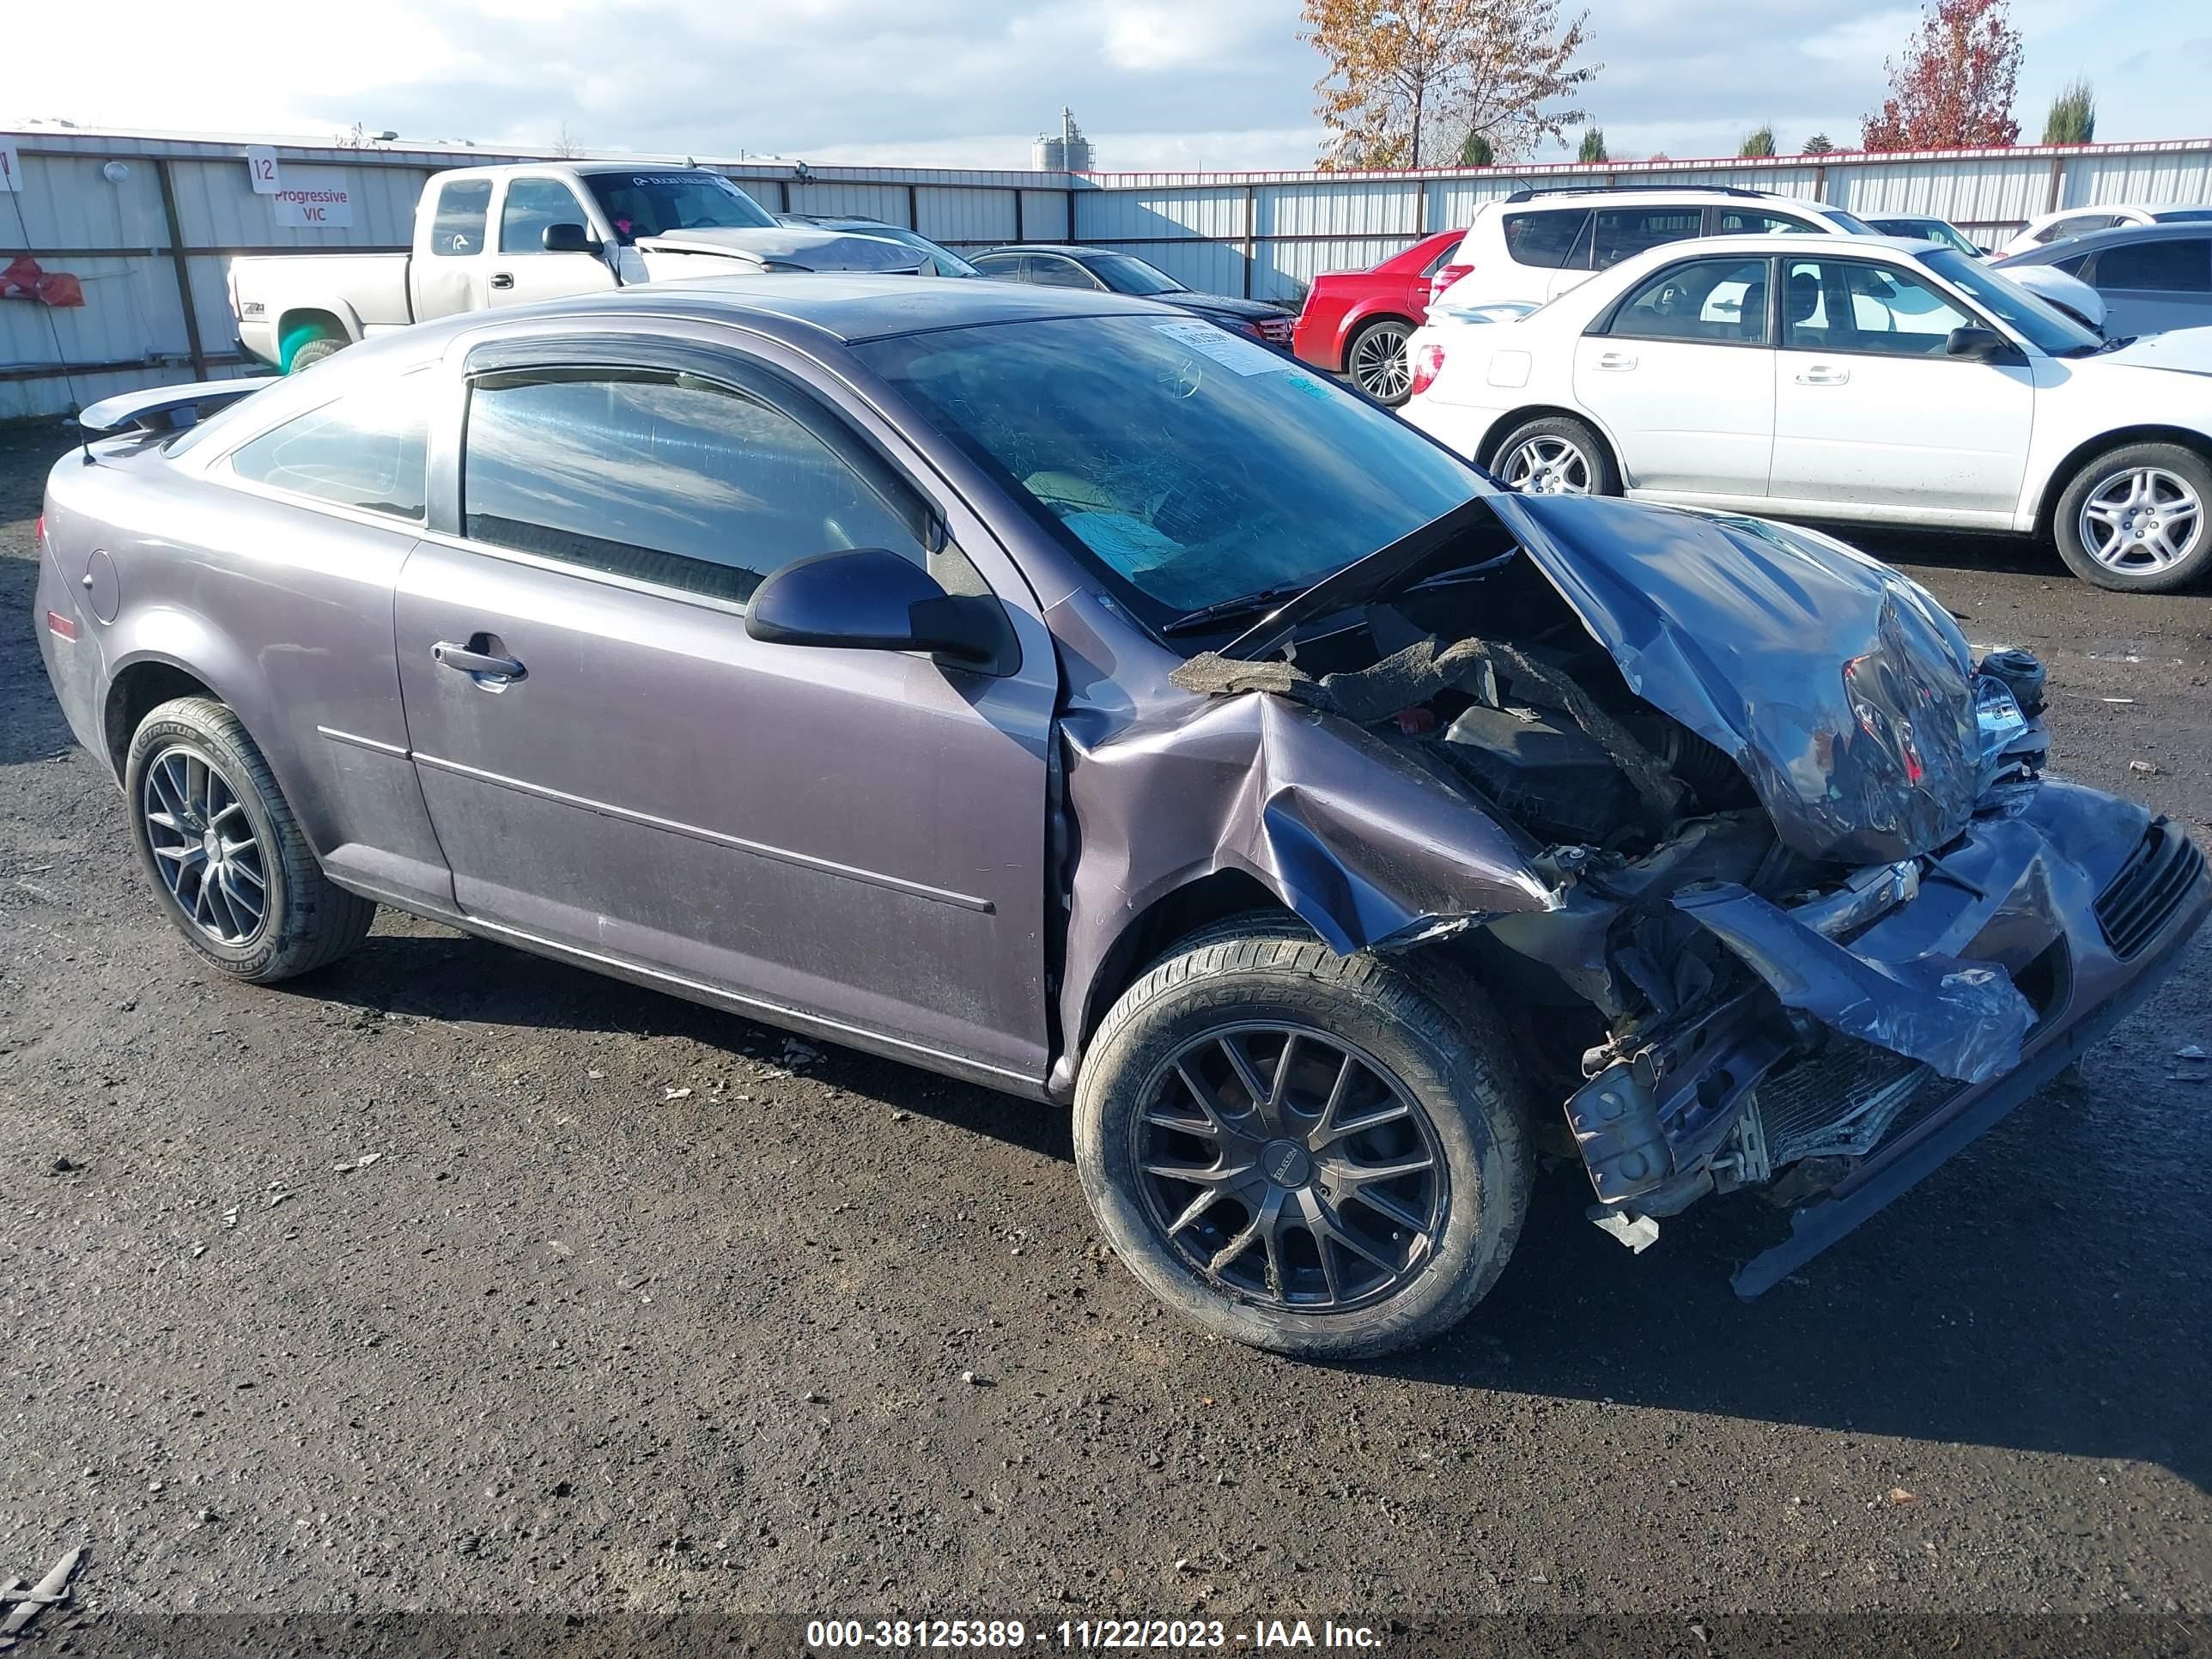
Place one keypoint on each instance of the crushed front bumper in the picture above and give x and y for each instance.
(2027, 940)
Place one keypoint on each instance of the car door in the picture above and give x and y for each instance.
(616, 768)
(1680, 372)
(448, 274)
(2149, 286)
(1868, 410)
(522, 271)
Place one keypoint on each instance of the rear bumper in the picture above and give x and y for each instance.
(2102, 917)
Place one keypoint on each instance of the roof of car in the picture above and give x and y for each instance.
(1776, 241)
(845, 307)
(1073, 250)
(2070, 247)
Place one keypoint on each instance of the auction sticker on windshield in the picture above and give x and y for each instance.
(1225, 348)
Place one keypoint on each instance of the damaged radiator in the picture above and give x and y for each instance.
(1837, 1103)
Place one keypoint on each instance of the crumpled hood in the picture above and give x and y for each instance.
(785, 245)
(2187, 349)
(1841, 688)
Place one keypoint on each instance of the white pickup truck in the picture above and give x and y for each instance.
(508, 235)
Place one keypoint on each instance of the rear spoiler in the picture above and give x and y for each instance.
(167, 407)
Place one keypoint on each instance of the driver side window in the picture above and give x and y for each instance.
(1846, 305)
(661, 476)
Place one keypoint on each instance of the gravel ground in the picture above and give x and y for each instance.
(638, 1309)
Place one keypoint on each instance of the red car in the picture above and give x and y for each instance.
(1356, 323)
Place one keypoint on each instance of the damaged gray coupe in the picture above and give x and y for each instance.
(1058, 692)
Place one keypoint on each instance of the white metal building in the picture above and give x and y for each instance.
(147, 221)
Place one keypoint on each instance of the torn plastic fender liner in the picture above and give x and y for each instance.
(1965, 1020)
(1364, 845)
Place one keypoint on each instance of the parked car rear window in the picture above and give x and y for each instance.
(369, 450)
(1702, 300)
(457, 227)
(1750, 221)
(1622, 232)
(2179, 265)
(1189, 464)
(1548, 239)
(660, 476)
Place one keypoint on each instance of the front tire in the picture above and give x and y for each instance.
(1298, 1150)
(1376, 361)
(1557, 455)
(227, 859)
(2133, 519)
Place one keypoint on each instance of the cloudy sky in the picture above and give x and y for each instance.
(1182, 83)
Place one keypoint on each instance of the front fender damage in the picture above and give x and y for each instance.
(1369, 849)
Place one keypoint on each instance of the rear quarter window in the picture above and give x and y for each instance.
(367, 450)
(1547, 240)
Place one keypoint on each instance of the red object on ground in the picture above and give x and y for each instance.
(1341, 303)
(26, 279)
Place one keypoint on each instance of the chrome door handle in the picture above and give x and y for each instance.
(1823, 374)
(1616, 360)
(503, 279)
(485, 668)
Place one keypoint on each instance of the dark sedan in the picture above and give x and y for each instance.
(1097, 271)
(1054, 690)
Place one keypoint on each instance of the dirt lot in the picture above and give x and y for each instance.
(631, 1313)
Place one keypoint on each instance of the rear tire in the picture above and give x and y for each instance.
(227, 859)
(1376, 361)
(2133, 519)
(1349, 1263)
(1556, 455)
(307, 347)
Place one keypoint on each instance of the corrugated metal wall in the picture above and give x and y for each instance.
(1262, 233)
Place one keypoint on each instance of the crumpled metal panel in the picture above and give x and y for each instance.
(1963, 1019)
(1357, 839)
(1742, 629)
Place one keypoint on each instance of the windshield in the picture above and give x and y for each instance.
(1188, 463)
(653, 204)
(1851, 223)
(1126, 273)
(2036, 321)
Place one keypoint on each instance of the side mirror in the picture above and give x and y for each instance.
(869, 598)
(1980, 345)
(568, 239)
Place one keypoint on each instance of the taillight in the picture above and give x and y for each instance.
(1444, 278)
(1428, 363)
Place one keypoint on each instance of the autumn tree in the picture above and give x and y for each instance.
(1593, 146)
(1759, 141)
(1819, 145)
(1415, 79)
(1953, 89)
(2073, 118)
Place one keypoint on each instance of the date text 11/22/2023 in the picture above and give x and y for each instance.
(1164, 1635)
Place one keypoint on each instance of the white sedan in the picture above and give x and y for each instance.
(1863, 379)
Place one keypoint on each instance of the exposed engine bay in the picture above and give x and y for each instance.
(1798, 886)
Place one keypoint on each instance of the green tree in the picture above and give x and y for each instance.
(1475, 151)
(1819, 145)
(1759, 141)
(2073, 118)
(1593, 148)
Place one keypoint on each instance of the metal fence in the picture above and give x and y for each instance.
(148, 222)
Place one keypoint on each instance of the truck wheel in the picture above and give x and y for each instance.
(1299, 1151)
(225, 855)
(305, 347)
(2133, 519)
